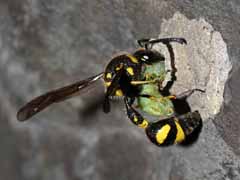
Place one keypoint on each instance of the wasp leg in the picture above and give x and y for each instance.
(181, 106)
(143, 82)
(166, 90)
(148, 43)
(133, 115)
(111, 89)
(186, 94)
(173, 130)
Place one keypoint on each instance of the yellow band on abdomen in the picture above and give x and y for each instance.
(180, 136)
(162, 133)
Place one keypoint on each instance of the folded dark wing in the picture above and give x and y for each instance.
(41, 102)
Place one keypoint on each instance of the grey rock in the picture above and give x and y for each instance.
(203, 63)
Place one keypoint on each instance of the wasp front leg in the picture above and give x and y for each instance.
(173, 130)
(113, 87)
(134, 115)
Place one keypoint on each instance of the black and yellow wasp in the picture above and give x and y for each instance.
(138, 78)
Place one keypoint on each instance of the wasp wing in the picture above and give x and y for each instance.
(41, 102)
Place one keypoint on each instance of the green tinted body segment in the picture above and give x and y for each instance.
(156, 70)
(158, 105)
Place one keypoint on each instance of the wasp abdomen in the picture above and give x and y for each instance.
(173, 130)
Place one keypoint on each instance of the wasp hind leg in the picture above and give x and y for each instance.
(188, 93)
(173, 130)
(134, 115)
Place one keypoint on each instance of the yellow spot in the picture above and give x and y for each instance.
(135, 119)
(119, 92)
(109, 75)
(180, 134)
(144, 124)
(163, 133)
(108, 84)
(119, 67)
(130, 71)
(132, 58)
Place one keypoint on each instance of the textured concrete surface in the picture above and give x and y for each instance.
(48, 44)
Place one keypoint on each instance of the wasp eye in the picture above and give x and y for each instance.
(145, 57)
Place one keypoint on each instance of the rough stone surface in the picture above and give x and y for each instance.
(203, 63)
(48, 44)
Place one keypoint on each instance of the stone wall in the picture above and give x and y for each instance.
(49, 44)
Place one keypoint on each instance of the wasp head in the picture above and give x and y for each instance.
(148, 56)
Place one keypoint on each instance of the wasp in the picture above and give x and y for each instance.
(137, 78)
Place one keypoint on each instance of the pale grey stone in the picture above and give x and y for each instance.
(203, 63)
